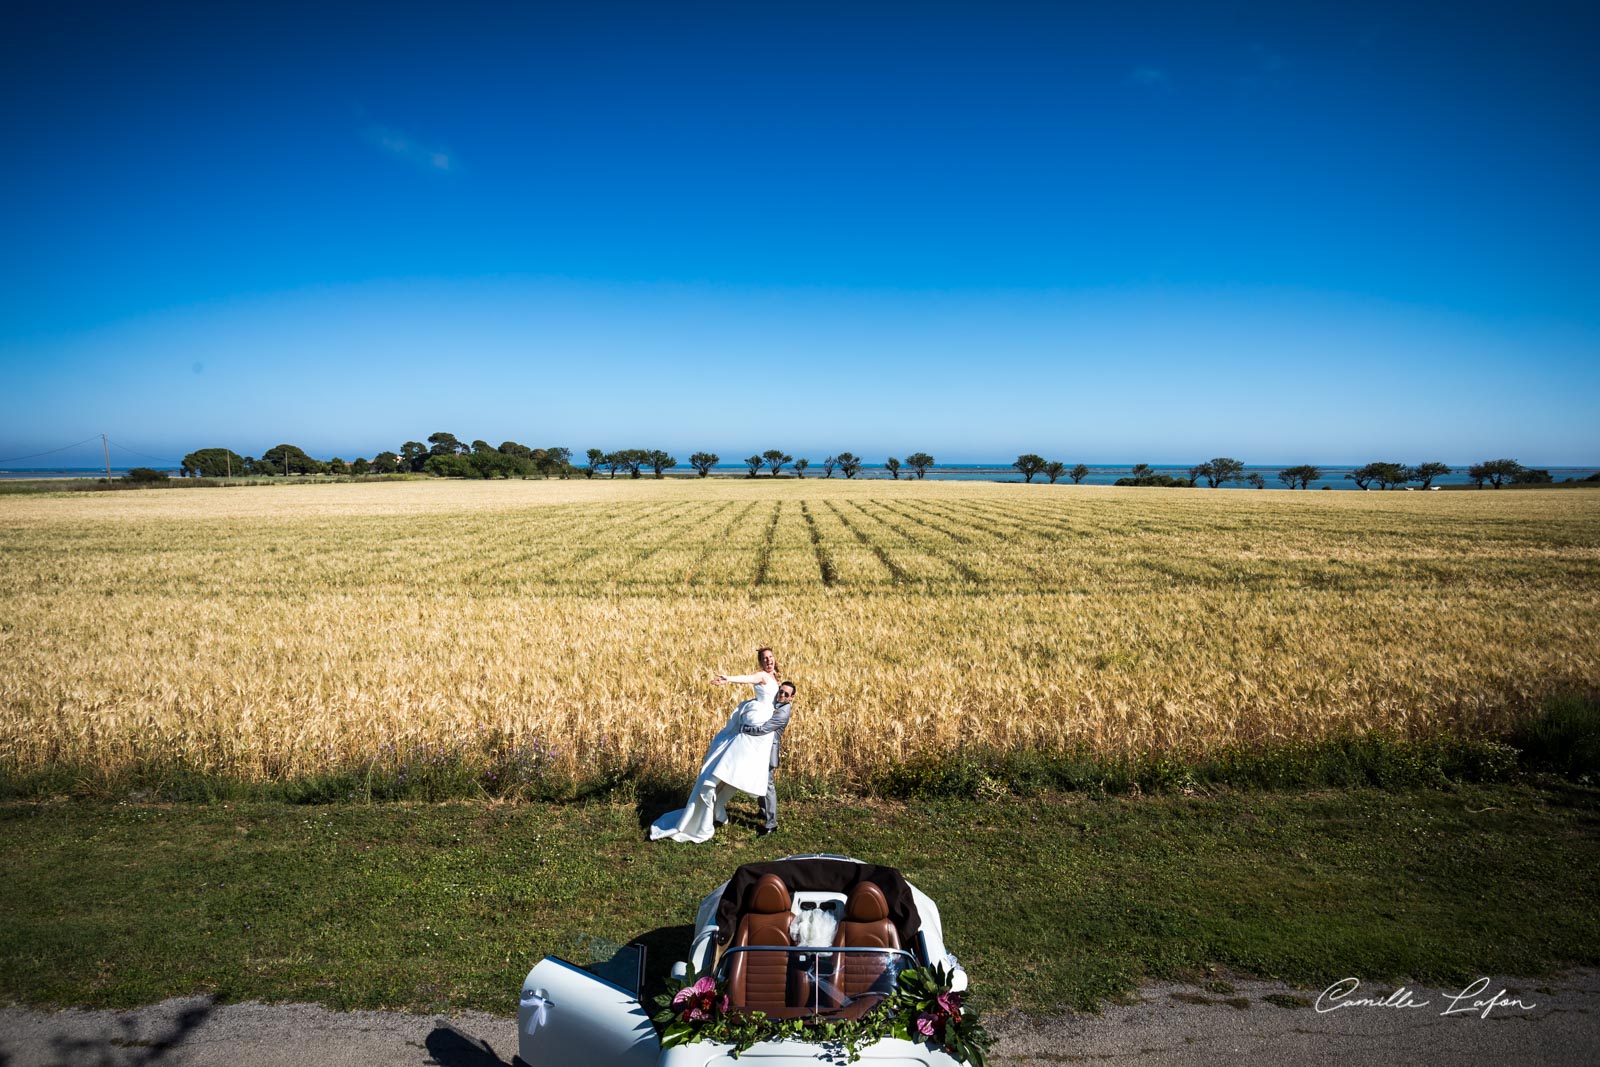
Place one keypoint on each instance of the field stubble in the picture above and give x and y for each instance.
(269, 633)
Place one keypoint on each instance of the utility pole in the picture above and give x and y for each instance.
(105, 448)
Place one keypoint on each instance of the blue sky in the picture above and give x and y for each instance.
(1112, 233)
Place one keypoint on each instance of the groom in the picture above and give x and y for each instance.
(774, 725)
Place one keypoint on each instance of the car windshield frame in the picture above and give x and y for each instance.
(823, 978)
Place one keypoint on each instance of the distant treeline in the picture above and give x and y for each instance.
(446, 456)
(443, 455)
(1224, 470)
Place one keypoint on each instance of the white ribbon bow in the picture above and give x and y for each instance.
(539, 1009)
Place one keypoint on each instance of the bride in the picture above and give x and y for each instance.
(735, 761)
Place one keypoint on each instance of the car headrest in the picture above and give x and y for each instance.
(771, 896)
(867, 904)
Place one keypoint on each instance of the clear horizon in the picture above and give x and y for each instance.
(1323, 231)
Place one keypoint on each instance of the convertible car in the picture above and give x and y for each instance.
(808, 937)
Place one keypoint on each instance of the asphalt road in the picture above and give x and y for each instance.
(1167, 1024)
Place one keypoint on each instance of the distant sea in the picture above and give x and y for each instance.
(1099, 474)
(1108, 473)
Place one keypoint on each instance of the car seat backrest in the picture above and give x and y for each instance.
(866, 920)
(866, 925)
(758, 981)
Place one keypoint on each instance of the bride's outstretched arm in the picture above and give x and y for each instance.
(742, 679)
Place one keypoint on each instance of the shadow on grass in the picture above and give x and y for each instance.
(653, 798)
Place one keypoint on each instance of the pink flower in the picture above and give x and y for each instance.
(925, 1024)
(700, 991)
(950, 1003)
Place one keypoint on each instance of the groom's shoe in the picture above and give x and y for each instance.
(763, 831)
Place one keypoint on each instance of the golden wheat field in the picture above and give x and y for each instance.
(287, 630)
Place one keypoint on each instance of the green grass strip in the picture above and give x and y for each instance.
(1051, 901)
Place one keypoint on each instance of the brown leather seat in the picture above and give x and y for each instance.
(865, 925)
(759, 981)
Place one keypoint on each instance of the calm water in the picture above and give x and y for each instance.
(1107, 474)
(1101, 474)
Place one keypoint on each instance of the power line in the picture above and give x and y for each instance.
(51, 452)
(144, 455)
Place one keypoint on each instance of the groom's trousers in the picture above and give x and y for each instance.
(769, 803)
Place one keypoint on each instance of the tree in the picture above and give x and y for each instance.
(146, 475)
(919, 462)
(1219, 471)
(450, 465)
(1256, 481)
(1478, 473)
(338, 466)
(660, 461)
(445, 444)
(519, 459)
(1054, 470)
(634, 459)
(1158, 481)
(612, 462)
(1029, 465)
(487, 462)
(360, 466)
(1531, 476)
(828, 465)
(800, 466)
(1198, 471)
(892, 465)
(1386, 475)
(1499, 471)
(702, 462)
(287, 459)
(849, 464)
(776, 459)
(1141, 471)
(386, 463)
(413, 454)
(1300, 476)
(212, 463)
(754, 463)
(556, 460)
(1078, 474)
(1391, 474)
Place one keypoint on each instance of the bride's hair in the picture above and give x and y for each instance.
(777, 671)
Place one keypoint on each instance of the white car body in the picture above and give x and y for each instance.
(568, 1015)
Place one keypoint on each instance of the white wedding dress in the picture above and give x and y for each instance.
(735, 762)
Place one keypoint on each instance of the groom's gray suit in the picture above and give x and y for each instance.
(774, 725)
